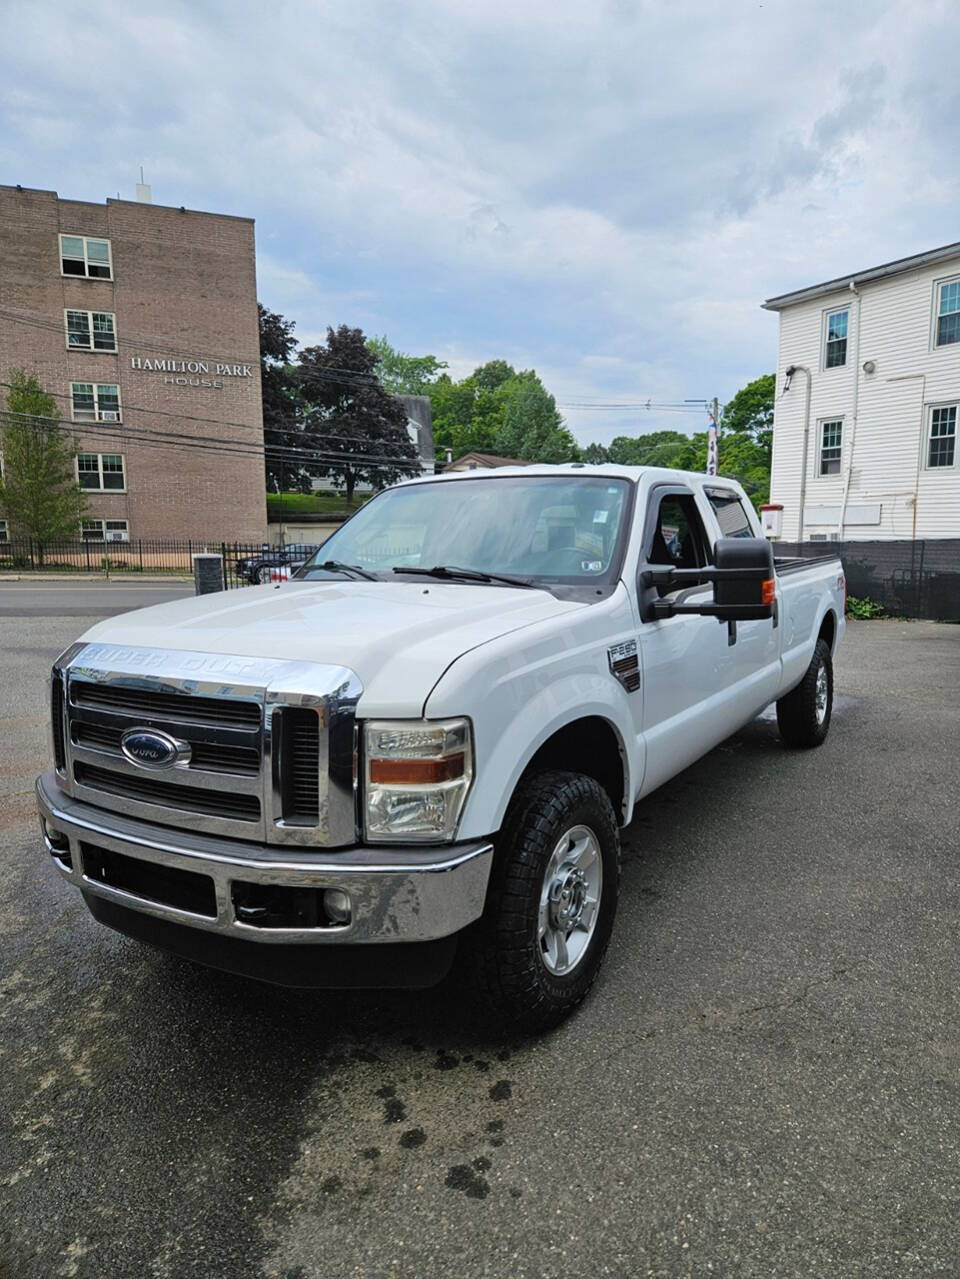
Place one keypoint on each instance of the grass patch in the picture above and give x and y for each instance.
(325, 502)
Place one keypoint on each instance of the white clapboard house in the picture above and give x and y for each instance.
(868, 399)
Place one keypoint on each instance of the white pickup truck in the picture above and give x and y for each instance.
(423, 747)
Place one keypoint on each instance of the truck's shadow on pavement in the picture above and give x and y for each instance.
(332, 1024)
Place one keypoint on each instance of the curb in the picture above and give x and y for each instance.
(171, 579)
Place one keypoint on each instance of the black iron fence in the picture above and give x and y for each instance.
(244, 563)
(909, 578)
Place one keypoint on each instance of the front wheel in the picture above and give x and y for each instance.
(534, 955)
(803, 715)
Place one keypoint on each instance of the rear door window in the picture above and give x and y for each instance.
(731, 516)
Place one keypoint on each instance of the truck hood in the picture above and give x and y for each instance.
(399, 637)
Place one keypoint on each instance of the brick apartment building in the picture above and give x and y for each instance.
(142, 322)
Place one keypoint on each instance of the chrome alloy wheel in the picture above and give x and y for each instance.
(822, 693)
(569, 900)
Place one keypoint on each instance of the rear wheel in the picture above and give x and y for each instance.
(534, 955)
(803, 715)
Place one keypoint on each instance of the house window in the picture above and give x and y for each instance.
(730, 514)
(80, 255)
(948, 313)
(942, 448)
(95, 402)
(105, 530)
(3, 531)
(831, 446)
(91, 331)
(835, 339)
(101, 472)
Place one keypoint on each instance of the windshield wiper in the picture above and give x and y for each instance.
(335, 566)
(464, 575)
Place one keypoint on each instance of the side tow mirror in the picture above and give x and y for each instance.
(745, 585)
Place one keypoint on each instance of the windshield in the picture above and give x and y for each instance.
(565, 529)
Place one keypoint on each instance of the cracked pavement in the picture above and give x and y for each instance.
(765, 1081)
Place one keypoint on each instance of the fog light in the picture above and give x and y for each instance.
(56, 842)
(337, 905)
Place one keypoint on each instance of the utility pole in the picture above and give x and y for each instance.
(713, 433)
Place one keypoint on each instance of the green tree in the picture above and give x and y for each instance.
(350, 428)
(497, 410)
(655, 448)
(404, 374)
(465, 416)
(39, 494)
(493, 374)
(751, 410)
(595, 454)
(280, 390)
(532, 427)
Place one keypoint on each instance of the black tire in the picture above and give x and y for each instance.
(799, 719)
(262, 575)
(502, 954)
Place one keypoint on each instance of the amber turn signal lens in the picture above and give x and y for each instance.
(416, 772)
(769, 591)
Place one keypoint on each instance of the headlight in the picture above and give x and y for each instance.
(416, 774)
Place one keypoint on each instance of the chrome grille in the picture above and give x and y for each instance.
(140, 702)
(188, 799)
(229, 775)
(211, 757)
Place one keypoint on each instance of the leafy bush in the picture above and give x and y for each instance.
(865, 609)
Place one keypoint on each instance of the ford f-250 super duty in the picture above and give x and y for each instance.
(423, 747)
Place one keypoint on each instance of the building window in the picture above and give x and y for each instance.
(95, 402)
(835, 339)
(3, 531)
(80, 255)
(101, 472)
(942, 448)
(91, 331)
(831, 446)
(730, 514)
(105, 530)
(948, 313)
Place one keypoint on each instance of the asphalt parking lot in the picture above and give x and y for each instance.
(765, 1082)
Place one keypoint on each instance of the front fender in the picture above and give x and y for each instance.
(506, 743)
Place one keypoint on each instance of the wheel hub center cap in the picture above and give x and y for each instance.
(567, 895)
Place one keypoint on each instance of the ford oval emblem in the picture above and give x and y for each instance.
(150, 748)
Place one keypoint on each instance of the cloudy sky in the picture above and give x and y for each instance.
(604, 191)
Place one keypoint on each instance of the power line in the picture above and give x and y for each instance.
(291, 427)
(238, 448)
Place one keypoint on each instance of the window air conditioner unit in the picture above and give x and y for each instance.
(117, 535)
(109, 415)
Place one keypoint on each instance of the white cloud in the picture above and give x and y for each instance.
(604, 192)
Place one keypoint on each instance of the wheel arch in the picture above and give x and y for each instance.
(828, 629)
(590, 745)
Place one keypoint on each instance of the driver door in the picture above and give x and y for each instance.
(687, 664)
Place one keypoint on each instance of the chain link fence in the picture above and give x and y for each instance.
(910, 578)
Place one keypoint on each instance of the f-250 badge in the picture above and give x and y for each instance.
(625, 664)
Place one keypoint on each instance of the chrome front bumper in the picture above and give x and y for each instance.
(396, 894)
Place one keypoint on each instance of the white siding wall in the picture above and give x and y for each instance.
(895, 319)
